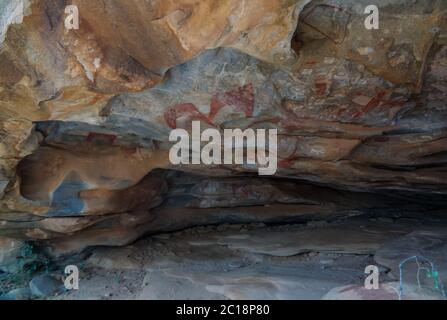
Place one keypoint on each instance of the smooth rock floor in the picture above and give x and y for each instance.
(317, 260)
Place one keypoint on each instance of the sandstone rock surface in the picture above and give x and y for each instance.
(85, 114)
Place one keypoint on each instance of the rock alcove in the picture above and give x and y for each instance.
(85, 117)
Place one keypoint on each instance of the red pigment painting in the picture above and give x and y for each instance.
(241, 99)
(101, 137)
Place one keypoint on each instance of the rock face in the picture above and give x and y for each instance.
(45, 285)
(85, 115)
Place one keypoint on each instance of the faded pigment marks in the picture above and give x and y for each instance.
(236, 147)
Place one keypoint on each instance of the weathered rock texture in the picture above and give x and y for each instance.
(85, 114)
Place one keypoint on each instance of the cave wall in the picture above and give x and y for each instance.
(85, 115)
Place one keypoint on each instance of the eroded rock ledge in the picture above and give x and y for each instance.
(85, 114)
